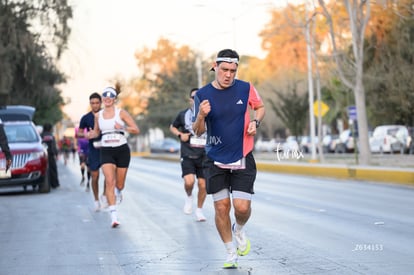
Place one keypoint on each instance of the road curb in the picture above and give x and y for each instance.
(380, 174)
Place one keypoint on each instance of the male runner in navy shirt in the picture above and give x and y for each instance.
(229, 110)
(94, 156)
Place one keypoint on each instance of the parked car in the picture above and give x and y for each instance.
(327, 143)
(410, 140)
(345, 143)
(290, 144)
(265, 145)
(167, 145)
(30, 165)
(389, 139)
(305, 144)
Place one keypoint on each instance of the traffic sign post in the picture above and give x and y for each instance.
(352, 115)
(323, 108)
(352, 112)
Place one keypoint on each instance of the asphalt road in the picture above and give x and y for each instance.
(299, 225)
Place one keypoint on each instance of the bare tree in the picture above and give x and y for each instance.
(359, 14)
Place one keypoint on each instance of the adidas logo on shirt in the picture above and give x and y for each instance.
(239, 102)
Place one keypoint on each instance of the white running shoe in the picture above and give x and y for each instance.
(231, 260)
(243, 243)
(118, 196)
(188, 206)
(114, 219)
(97, 206)
(200, 216)
(104, 201)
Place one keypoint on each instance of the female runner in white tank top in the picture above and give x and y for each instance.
(113, 123)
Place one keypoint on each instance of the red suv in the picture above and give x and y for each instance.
(30, 162)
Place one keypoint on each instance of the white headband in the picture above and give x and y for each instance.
(227, 59)
(109, 90)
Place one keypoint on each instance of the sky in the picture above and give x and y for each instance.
(106, 33)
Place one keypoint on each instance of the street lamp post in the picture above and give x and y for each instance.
(310, 85)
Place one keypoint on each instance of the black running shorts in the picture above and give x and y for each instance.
(218, 178)
(192, 166)
(120, 156)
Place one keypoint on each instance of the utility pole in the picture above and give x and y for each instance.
(310, 85)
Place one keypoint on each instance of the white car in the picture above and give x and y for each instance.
(389, 139)
(344, 143)
(266, 145)
(290, 145)
(305, 144)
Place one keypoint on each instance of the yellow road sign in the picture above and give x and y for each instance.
(323, 106)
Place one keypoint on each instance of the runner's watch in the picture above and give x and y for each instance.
(257, 122)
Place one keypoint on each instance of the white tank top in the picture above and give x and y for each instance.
(112, 137)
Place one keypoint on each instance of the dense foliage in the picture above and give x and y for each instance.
(29, 75)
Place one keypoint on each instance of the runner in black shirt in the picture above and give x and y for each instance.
(192, 154)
